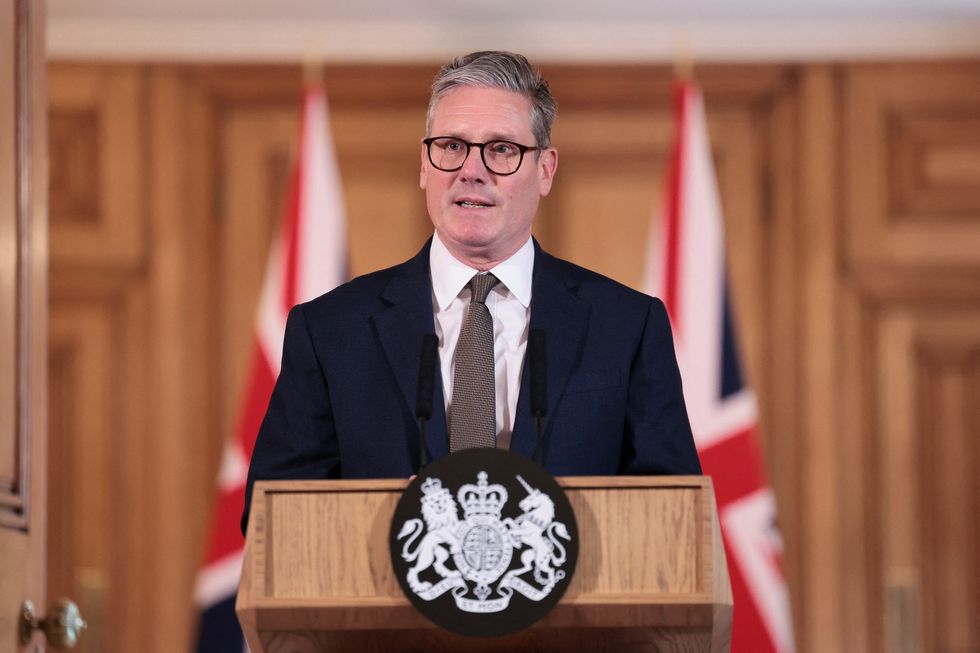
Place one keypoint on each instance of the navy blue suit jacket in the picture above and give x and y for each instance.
(343, 406)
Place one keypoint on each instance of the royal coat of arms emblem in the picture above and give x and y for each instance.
(491, 553)
(482, 544)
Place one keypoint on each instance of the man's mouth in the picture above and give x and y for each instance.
(473, 204)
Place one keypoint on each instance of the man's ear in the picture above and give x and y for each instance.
(423, 166)
(547, 167)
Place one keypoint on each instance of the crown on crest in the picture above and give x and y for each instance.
(482, 499)
(433, 494)
(431, 485)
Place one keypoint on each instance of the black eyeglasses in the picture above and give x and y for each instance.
(448, 153)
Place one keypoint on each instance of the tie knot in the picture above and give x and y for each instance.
(481, 285)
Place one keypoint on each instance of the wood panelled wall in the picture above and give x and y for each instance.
(852, 200)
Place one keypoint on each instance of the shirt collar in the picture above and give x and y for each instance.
(449, 275)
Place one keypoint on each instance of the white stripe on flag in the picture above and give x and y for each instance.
(702, 275)
(271, 318)
(219, 580)
(749, 525)
(730, 418)
(323, 234)
(234, 466)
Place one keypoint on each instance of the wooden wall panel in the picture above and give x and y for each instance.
(820, 604)
(98, 525)
(912, 147)
(97, 175)
(935, 163)
(918, 423)
(607, 189)
(781, 405)
(948, 367)
(911, 280)
(99, 513)
(390, 226)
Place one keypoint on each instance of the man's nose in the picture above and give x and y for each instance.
(473, 167)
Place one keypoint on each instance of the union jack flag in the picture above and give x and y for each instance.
(687, 270)
(308, 259)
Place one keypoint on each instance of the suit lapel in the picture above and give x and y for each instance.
(400, 328)
(556, 310)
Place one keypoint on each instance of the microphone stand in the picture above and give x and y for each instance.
(423, 403)
(539, 387)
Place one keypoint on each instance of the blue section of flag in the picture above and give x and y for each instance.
(220, 631)
(731, 370)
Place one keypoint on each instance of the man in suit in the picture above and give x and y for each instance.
(343, 406)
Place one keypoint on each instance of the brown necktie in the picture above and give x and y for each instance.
(472, 416)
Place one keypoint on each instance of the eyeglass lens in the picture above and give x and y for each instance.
(501, 157)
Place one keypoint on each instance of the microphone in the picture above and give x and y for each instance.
(539, 384)
(426, 387)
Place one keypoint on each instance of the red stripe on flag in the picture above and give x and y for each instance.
(672, 259)
(261, 382)
(735, 466)
(226, 536)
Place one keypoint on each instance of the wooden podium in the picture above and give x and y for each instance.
(651, 573)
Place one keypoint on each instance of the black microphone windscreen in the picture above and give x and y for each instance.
(539, 374)
(427, 376)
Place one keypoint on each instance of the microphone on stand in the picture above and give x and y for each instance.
(539, 385)
(426, 387)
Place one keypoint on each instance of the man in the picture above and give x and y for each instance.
(343, 406)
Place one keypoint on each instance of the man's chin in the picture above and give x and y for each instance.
(471, 248)
(473, 237)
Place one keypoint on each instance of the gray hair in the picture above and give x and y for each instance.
(505, 70)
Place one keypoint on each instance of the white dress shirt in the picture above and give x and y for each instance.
(509, 304)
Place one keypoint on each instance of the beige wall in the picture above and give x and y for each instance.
(853, 216)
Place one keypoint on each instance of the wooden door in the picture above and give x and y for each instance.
(23, 324)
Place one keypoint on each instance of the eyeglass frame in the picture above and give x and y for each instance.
(469, 146)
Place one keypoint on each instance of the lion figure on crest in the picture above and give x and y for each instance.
(536, 528)
(441, 522)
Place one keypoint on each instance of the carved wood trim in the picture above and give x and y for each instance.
(98, 457)
(912, 146)
(911, 366)
(947, 354)
(28, 184)
(97, 124)
(9, 265)
(76, 179)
